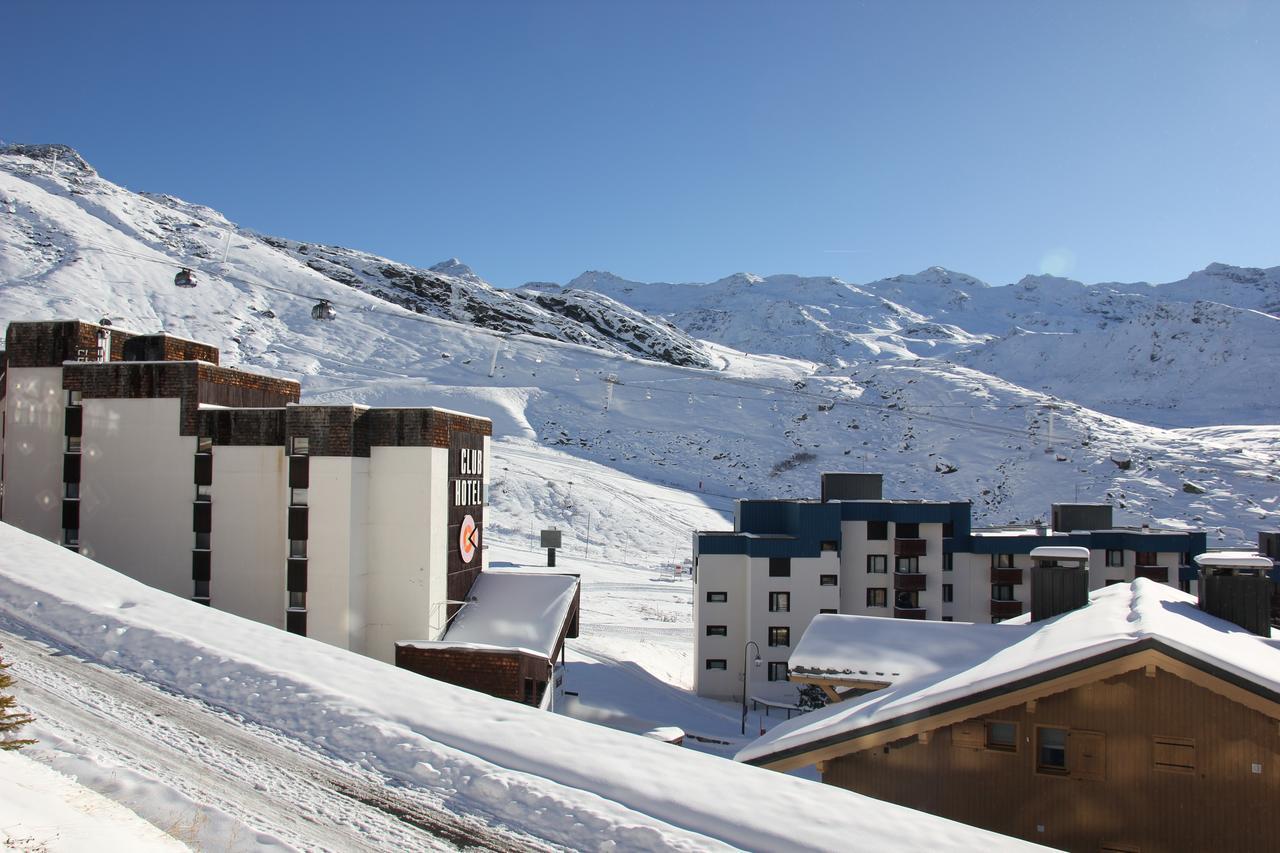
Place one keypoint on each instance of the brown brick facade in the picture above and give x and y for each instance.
(50, 343)
(167, 348)
(501, 673)
(353, 430)
(242, 427)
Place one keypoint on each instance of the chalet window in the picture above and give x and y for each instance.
(948, 562)
(948, 593)
(1002, 592)
(877, 596)
(907, 565)
(877, 564)
(877, 530)
(1051, 750)
(1115, 558)
(779, 567)
(717, 663)
(826, 610)
(717, 597)
(778, 671)
(779, 602)
(826, 580)
(1002, 561)
(907, 530)
(297, 548)
(717, 630)
(1174, 754)
(779, 636)
(1002, 737)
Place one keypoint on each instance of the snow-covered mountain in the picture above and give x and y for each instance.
(1188, 353)
(746, 387)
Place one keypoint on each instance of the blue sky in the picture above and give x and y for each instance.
(1110, 141)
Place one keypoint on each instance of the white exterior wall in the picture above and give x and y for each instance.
(136, 491)
(406, 529)
(336, 566)
(35, 418)
(247, 564)
(807, 598)
(854, 579)
(720, 573)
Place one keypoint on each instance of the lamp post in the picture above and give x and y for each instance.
(746, 681)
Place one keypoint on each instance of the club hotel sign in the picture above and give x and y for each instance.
(466, 512)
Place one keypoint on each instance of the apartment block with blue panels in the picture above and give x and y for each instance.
(758, 586)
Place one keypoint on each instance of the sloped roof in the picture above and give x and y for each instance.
(943, 664)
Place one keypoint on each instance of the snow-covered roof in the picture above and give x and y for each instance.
(1060, 552)
(946, 663)
(1233, 560)
(565, 780)
(523, 611)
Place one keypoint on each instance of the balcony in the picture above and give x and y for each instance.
(1006, 609)
(1006, 575)
(908, 581)
(908, 547)
(1159, 574)
(908, 612)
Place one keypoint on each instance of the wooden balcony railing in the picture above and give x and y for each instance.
(908, 612)
(1006, 609)
(1155, 573)
(1006, 575)
(908, 547)
(908, 581)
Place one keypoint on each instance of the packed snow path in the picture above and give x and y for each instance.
(243, 782)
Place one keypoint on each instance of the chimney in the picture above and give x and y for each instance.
(1059, 580)
(1236, 586)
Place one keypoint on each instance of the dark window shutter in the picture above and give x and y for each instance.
(296, 622)
(299, 472)
(297, 522)
(75, 420)
(202, 517)
(200, 565)
(204, 469)
(297, 579)
(71, 515)
(71, 468)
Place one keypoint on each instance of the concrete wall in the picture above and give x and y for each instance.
(336, 561)
(728, 574)
(136, 491)
(250, 495)
(35, 416)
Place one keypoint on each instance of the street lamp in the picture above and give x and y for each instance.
(746, 681)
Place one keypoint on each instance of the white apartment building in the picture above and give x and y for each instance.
(357, 526)
(757, 587)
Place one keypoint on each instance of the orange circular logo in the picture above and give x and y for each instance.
(468, 533)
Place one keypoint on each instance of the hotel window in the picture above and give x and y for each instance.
(947, 618)
(948, 562)
(948, 593)
(717, 597)
(779, 602)
(877, 564)
(826, 610)
(828, 545)
(75, 398)
(71, 536)
(907, 565)
(906, 530)
(204, 493)
(202, 541)
(1051, 750)
(71, 491)
(73, 444)
(826, 580)
(298, 548)
(1002, 561)
(779, 567)
(1146, 558)
(1112, 581)
(717, 630)
(778, 671)
(717, 663)
(948, 529)
(297, 497)
(1002, 736)
(204, 444)
(877, 596)
(779, 636)
(200, 589)
(1115, 558)
(1002, 592)
(300, 445)
(877, 530)
(297, 600)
